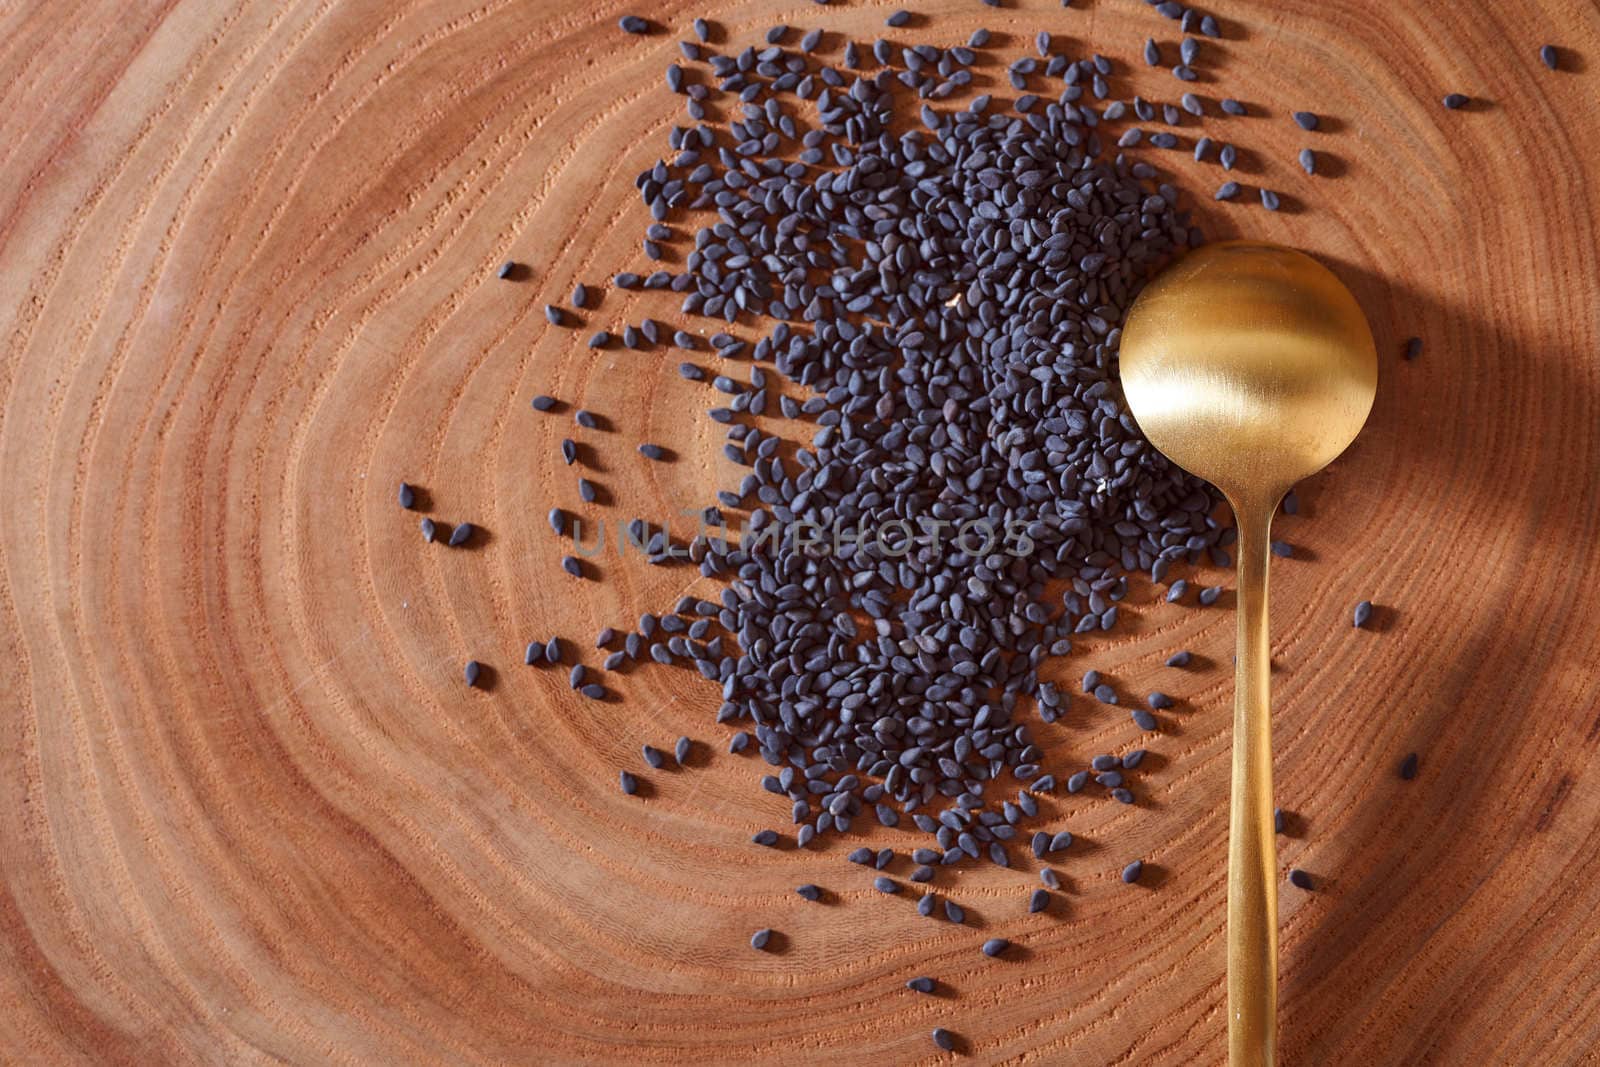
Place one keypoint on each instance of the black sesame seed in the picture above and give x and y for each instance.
(633, 24)
(429, 530)
(1039, 901)
(1269, 199)
(572, 565)
(1413, 348)
(472, 671)
(1305, 120)
(1456, 101)
(921, 984)
(995, 946)
(1308, 161)
(809, 892)
(1180, 659)
(760, 939)
(1550, 56)
(885, 885)
(1300, 879)
(943, 1038)
(630, 784)
(507, 269)
(1133, 871)
(408, 496)
(1408, 767)
(1225, 191)
(462, 534)
(543, 403)
(1363, 614)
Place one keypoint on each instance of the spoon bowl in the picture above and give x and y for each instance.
(1251, 366)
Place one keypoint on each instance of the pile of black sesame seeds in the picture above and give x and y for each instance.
(950, 297)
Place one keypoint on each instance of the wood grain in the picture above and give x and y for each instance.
(250, 812)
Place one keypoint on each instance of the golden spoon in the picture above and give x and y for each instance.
(1251, 366)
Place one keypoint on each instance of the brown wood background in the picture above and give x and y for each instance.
(251, 814)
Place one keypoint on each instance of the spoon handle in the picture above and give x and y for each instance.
(1252, 849)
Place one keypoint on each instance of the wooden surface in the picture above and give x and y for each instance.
(250, 812)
